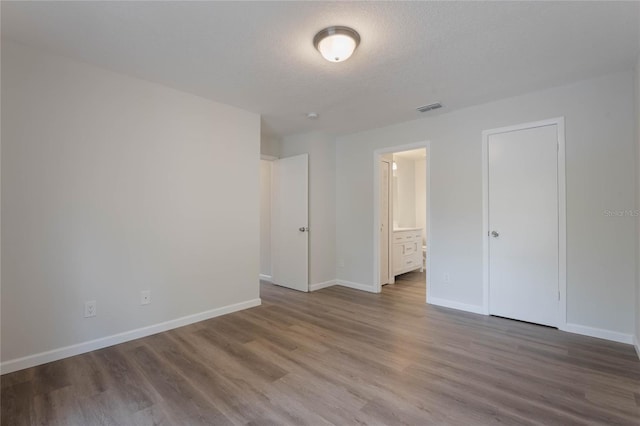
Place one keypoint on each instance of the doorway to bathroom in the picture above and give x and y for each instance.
(401, 218)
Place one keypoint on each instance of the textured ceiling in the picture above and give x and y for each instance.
(259, 56)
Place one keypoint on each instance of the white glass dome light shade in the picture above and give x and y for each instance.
(336, 47)
(336, 44)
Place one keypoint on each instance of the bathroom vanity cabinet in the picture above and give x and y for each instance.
(407, 250)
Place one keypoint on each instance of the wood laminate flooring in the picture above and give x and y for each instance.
(337, 356)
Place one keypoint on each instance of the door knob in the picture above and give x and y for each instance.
(495, 234)
(303, 229)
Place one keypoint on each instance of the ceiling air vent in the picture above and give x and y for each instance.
(429, 107)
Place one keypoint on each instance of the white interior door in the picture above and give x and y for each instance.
(523, 225)
(385, 168)
(290, 221)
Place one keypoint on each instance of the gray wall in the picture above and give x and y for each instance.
(322, 190)
(600, 176)
(265, 218)
(112, 185)
(637, 92)
(269, 145)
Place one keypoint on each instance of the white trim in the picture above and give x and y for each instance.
(265, 277)
(391, 279)
(92, 345)
(377, 288)
(476, 309)
(485, 224)
(318, 286)
(268, 157)
(598, 332)
(357, 286)
(562, 213)
(562, 223)
(427, 257)
(636, 344)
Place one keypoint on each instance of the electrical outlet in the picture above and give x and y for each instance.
(447, 278)
(90, 308)
(145, 297)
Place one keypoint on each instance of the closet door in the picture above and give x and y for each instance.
(523, 225)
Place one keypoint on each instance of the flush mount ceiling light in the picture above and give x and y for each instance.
(336, 44)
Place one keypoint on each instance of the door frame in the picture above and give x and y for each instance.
(389, 225)
(377, 288)
(562, 212)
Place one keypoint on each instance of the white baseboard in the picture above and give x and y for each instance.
(476, 309)
(318, 286)
(636, 344)
(266, 277)
(92, 345)
(356, 286)
(598, 332)
(570, 328)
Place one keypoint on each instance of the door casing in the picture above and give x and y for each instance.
(385, 226)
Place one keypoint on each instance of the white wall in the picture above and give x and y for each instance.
(265, 219)
(322, 189)
(409, 193)
(404, 193)
(600, 175)
(112, 185)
